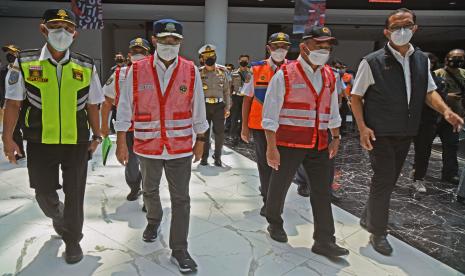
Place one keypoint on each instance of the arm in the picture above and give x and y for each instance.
(434, 100)
(106, 109)
(334, 124)
(123, 118)
(247, 90)
(227, 96)
(10, 119)
(199, 124)
(93, 115)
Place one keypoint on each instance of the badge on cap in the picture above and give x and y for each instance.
(281, 36)
(14, 76)
(183, 89)
(62, 14)
(170, 27)
(78, 75)
(325, 30)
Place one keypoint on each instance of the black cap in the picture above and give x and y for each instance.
(139, 42)
(167, 27)
(11, 47)
(59, 15)
(279, 38)
(319, 33)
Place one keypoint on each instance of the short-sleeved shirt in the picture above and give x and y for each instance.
(216, 84)
(239, 77)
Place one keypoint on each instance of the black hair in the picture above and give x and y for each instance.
(244, 55)
(401, 10)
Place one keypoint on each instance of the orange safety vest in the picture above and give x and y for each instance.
(304, 117)
(262, 74)
(163, 120)
(119, 72)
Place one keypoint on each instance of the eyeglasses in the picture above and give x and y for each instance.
(397, 28)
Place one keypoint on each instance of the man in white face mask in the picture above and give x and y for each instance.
(163, 96)
(139, 48)
(301, 104)
(58, 92)
(387, 109)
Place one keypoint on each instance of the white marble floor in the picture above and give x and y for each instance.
(227, 235)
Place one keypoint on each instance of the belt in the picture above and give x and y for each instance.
(213, 100)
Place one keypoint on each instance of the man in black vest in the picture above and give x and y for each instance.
(391, 86)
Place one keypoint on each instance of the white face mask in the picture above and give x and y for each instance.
(278, 55)
(401, 37)
(167, 52)
(60, 39)
(137, 57)
(319, 57)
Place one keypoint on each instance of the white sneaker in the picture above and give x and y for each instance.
(419, 185)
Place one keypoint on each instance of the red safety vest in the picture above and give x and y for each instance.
(163, 120)
(119, 73)
(304, 117)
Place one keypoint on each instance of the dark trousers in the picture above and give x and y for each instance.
(264, 171)
(423, 143)
(18, 138)
(316, 164)
(387, 158)
(461, 188)
(215, 118)
(132, 172)
(450, 146)
(178, 174)
(44, 162)
(236, 117)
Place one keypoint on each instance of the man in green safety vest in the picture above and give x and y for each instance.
(58, 93)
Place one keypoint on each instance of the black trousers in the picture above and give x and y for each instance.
(450, 146)
(178, 174)
(44, 162)
(316, 164)
(423, 143)
(215, 118)
(387, 158)
(264, 171)
(236, 117)
(18, 138)
(132, 172)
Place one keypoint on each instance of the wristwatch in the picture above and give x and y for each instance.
(97, 138)
(337, 137)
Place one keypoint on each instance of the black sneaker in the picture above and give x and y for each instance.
(218, 162)
(150, 232)
(277, 233)
(183, 261)
(330, 249)
(73, 253)
(133, 195)
(203, 162)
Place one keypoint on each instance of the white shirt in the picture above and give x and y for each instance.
(17, 91)
(125, 105)
(248, 87)
(274, 97)
(109, 87)
(364, 77)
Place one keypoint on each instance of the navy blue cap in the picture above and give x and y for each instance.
(279, 38)
(167, 27)
(139, 42)
(319, 33)
(53, 15)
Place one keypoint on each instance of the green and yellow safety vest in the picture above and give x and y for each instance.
(54, 112)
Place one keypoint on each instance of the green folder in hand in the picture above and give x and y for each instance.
(106, 146)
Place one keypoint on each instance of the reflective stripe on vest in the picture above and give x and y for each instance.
(305, 114)
(163, 120)
(59, 104)
(121, 71)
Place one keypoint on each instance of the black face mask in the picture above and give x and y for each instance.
(244, 63)
(455, 63)
(11, 58)
(210, 61)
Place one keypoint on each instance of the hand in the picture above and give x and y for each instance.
(93, 146)
(10, 148)
(245, 133)
(273, 157)
(226, 114)
(454, 120)
(366, 136)
(104, 130)
(198, 150)
(333, 148)
(122, 154)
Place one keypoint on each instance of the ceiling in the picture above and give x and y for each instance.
(331, 4)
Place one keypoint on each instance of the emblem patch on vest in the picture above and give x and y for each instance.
(78, 75)
(36, 74)
(14, 76)
(262, 78)
(183, 89)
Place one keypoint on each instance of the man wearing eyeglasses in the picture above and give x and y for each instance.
(163, 96)
(390, 89)
(59, 91)
(301, 104)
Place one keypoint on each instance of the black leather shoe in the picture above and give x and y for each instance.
(58, 227)
(218, 162)
(330, 249)
(303, 190)
(381, 244)
(133, 195)
(263, 211)
(203, 162)
(144, 209)
(460, 199)
(150, 233)
(453, 180)
(183, 261)
(73, 253)
(277, 233)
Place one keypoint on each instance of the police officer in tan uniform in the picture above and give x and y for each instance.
(216, 88)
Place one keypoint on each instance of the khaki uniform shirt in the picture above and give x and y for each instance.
(454, 93)
(216, 84)
(238, 80)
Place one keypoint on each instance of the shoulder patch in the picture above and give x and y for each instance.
(109, 81)
(13, 78)
(83, 57)
(29, 52)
